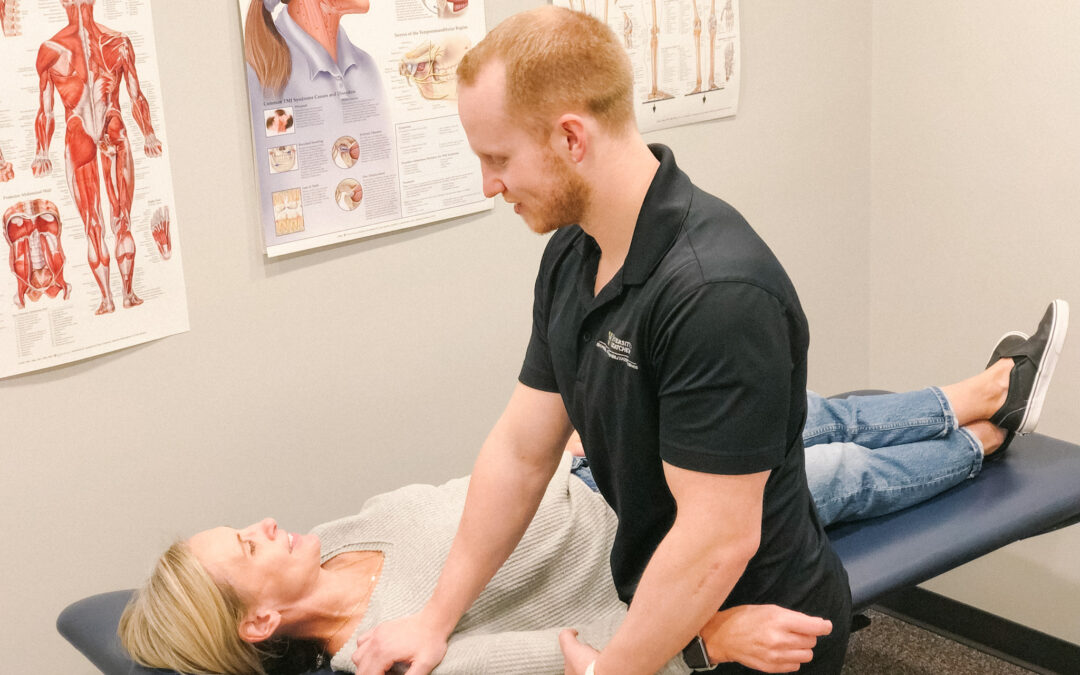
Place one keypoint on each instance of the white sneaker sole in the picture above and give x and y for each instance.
(1059, 327)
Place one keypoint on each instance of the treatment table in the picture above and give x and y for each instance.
(1034, 489)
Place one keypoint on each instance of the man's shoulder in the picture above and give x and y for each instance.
(717, 252)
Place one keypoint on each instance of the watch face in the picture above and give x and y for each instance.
(695, 655)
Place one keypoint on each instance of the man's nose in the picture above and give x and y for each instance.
(493, 184)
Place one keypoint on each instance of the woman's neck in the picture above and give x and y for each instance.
(340, 600)
(319, 21)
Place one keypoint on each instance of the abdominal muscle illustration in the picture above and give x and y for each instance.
(433, 67)
(32, 230)
(88, 64)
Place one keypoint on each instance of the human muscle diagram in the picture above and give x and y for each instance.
(87, 65)
(354, 116)
(685, 55)
(73, 81)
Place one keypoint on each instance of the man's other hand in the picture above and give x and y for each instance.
(768, 638)
(410, 640)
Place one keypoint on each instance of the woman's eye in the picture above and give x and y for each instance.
(251, 547)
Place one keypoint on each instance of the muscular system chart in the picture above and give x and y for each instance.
(85, 187)
(685, 55)
(354, 116)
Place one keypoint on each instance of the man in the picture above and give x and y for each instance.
(666, 332)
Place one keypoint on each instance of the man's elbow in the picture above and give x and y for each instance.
(730, 560)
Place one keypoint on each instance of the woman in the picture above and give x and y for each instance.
(228, 601)
(301, 58)
(284, 51)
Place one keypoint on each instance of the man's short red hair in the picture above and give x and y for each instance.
(557, 61)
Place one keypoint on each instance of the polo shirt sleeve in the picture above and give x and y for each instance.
(537, 371)
(724, 370)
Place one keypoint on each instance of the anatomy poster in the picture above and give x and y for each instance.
(354, 116)
(90, 236)
(685, 55)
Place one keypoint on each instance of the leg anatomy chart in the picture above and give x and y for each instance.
(354, 116)
(685, 55)
(85, 188)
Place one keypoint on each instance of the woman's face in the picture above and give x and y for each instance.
(267, 566)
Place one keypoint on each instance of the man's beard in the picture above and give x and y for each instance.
(566, 201)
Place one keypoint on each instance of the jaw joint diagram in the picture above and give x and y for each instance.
(433, 67)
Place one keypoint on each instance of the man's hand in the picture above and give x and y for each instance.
(576, 654)
(768, 638)
(412, 640)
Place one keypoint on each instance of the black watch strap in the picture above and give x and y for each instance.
(696, 656)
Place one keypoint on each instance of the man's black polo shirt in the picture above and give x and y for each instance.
(693, 354)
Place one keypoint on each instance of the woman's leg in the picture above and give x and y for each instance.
(895, 419)
(878, 421)
(852, 482)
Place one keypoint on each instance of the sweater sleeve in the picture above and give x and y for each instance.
(529, 652)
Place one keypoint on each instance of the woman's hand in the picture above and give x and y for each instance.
(768, 638)
(410, 640)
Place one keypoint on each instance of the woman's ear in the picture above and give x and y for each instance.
(260, 625)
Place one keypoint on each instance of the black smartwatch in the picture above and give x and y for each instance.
(696, 656)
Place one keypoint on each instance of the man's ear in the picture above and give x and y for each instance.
(573, 135)
(259, 625)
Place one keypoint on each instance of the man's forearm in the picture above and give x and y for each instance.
(504, 493)
(687, 579)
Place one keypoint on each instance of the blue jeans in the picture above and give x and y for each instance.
(871, 455)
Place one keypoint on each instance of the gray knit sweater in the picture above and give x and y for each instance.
(558, 576)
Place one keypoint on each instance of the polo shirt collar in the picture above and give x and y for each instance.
(314, 54)
(661, 218)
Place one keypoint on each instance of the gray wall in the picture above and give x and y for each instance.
(976, 162)
(309, 383)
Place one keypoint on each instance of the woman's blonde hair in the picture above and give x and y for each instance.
(265, 49)
(182, 619)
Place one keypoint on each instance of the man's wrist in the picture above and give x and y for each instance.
(438, 621)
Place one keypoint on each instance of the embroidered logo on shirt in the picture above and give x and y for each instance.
(618, 349)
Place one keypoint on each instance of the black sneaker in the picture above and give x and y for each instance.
(1010, 340)
(1034, 361)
